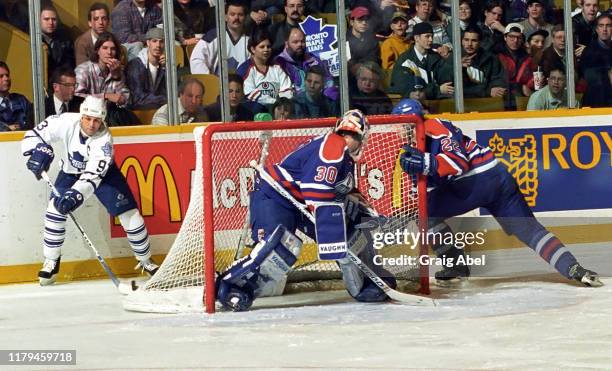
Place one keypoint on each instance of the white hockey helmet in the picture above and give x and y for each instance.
(94, 107)
(353, 121)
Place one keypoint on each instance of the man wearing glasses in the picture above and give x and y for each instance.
(63, 83)
(553, 95)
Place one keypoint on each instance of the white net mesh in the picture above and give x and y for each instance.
(179, 284)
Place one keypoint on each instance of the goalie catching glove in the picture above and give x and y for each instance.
(414, 161)
(68, 201)
(40, 159)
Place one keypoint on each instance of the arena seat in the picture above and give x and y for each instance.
(15, 51)
(145, 116)
(212, 87)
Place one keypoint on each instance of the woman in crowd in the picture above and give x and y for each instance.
(264, 81)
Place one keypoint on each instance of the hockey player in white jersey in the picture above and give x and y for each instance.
(87, 168)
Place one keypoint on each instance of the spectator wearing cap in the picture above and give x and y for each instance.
(517, 63)
(583, 25)
(416, 91)
(441, 41)
(146, 74)
(535, 45)
(483, 74)
(131, 19)
(294, 12)
(311, 102)
(596, 65)
(535, 21)
(491, 26)
(421, 61)
(363, 46)
(553, 95)
(368, 96)
(396, 43)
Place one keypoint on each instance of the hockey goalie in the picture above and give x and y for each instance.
(317, 175)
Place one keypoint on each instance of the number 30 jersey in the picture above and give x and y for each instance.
(89, 157)
(318, 171)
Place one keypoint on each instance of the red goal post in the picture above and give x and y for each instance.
(230, 145)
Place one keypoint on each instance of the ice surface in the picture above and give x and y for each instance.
(538, 322)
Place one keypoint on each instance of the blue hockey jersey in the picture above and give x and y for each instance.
(320, 170)
(457, 154)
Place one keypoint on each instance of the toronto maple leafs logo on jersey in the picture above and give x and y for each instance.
(107, 148)
(77, 160)
(321, 40)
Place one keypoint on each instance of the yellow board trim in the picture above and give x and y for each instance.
(124, 267)
(156, 130)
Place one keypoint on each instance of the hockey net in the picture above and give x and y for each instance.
(213, 230)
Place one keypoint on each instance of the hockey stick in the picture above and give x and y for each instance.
(122, 287)
(393, 294)
(265, 137)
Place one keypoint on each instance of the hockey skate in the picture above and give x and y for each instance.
(584, 276)
(452, 276)
(48, 273)
(147, 266)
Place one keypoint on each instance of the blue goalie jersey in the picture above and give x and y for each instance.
(320, 170)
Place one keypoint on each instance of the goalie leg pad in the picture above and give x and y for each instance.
(259, 273)
(357, 284)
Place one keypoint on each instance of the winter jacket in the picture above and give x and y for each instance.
(297, 72)
(486, 72)
(16, 109)
(145, 92)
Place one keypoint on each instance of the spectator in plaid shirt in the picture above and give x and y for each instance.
(131, 19)
(103, 77)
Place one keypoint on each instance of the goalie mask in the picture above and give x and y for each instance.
(355, 124)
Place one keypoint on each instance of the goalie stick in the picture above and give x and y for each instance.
(123, 288)
(265, 138)
(398, 296)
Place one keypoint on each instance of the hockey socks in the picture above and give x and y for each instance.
(548, 246)
(55, 231)
(137, 234)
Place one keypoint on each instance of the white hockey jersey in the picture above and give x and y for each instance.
(89, 157)
(204, 57)
(264, 87)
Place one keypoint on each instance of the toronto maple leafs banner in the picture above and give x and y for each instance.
(565, 168)
(321, 40)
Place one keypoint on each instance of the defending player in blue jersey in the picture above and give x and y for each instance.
(465, 176)
(319, 175)
(87, 168)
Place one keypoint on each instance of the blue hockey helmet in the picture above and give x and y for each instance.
(408, 106)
